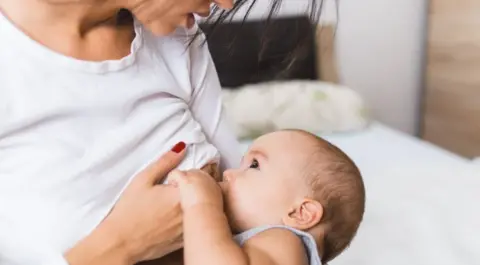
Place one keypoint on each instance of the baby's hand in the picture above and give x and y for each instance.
(196, 188)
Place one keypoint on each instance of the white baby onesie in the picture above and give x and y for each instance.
(74, 133)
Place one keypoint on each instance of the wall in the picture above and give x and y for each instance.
(380, 47)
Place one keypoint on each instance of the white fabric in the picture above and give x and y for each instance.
(476, 160)
(313, 106)
(73, 133)
(422, 201)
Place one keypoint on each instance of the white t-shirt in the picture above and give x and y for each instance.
(73, 133)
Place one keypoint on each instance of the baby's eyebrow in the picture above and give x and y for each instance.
(259, 153)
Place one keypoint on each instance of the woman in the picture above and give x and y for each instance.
(88, 97)
(81, 73)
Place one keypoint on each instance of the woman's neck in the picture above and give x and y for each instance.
(74, 17)
(83, 29)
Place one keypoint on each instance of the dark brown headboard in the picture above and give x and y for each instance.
(240, 58)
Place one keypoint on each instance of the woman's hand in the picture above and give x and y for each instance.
(162, 17)
(145, 224)
(197, 188)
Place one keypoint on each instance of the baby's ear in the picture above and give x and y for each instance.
(305, 215)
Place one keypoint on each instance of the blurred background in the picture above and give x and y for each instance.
(394, 84)
(403, 57)
(380, 50)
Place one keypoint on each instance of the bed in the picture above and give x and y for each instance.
(421, 199)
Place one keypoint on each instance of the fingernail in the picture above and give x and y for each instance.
(179, 147)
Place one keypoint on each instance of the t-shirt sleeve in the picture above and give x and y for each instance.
(206, 104)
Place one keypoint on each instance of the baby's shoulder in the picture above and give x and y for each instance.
(282, 246)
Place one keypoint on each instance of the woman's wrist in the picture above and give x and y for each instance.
(101, 247)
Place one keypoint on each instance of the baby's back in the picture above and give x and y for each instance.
(311, 250)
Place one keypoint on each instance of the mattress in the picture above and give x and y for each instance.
(421, 201)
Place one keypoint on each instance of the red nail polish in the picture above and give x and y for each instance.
(179, 147)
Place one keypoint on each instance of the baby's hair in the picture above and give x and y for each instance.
(337, 184)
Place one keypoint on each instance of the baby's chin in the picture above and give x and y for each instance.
(233, 224)
(228, 209)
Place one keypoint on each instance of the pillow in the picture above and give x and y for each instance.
(476, 160)
(314, 106)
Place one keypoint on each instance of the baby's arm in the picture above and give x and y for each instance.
(208, 240)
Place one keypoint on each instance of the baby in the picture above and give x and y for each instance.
(296, 199)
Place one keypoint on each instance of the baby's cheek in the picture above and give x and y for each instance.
(248, 206)
(236, 204)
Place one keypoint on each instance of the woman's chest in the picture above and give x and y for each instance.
(69, 126)
(72, 150)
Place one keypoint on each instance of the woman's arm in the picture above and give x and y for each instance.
(206, 104)
(145, 224)
(99, 248)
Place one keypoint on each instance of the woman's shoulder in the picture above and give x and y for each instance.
(184, 54)
(184, 48)
(181, 42)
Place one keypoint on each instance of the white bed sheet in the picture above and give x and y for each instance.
(422, 202)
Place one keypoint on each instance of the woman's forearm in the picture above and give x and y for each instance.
(208, 239)
(99, 248)
(144, 224)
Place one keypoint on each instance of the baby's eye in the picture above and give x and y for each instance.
(254, 164)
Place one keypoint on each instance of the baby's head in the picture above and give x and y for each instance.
(294, 178)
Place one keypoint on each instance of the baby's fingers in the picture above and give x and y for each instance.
(177, 178)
